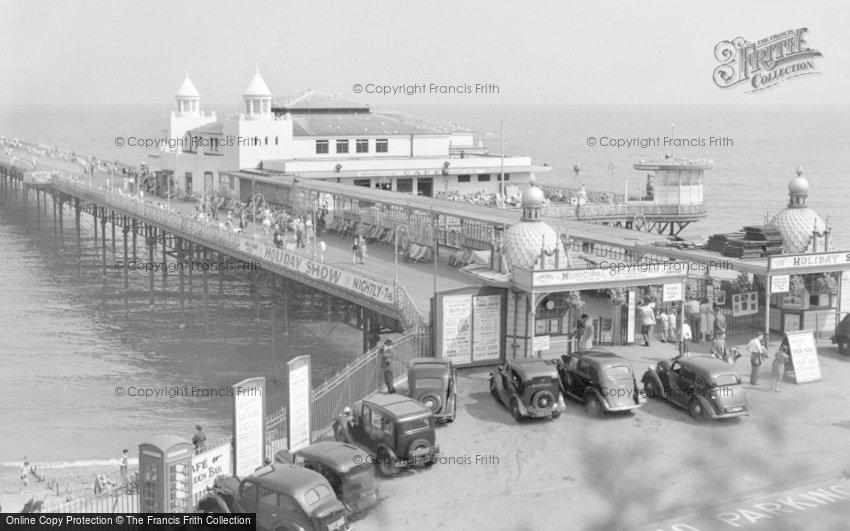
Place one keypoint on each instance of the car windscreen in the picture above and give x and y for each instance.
(726, 379)
(415, 425)
(317, 494)
(618, 370)
(429, 383)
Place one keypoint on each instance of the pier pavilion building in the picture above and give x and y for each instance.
(322, 136)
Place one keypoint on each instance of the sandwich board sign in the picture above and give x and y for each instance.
(804, 356)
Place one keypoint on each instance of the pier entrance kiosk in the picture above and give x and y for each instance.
(165, 474)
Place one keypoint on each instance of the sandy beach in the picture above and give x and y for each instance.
(74, 481)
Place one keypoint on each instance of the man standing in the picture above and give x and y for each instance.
(757, 355)
(719, 323)
(387, 365)
(671, 318)
(693, 316)
(647, 321)
(685, 344)
(200, 438)
(581, 328)
(664, 325)
(124, 463)
(779, 367)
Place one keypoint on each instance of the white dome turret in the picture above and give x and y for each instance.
(802, 229)
(188, 98)
(526, 242)
(258, 99)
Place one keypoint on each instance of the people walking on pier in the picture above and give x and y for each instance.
(663, 322)
(200, 438)
(355, 248)
(277, 239)
(671, 319)
(25, 474)
(308, 229)
(387, 365)
(299, 233)
(706, 320)
(757, 355)
(647, 321)
(685, 337)
(361, 249)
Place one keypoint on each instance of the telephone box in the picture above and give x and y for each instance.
(165, 474)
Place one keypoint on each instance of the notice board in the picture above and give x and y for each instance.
(804, 356)
(469, 326)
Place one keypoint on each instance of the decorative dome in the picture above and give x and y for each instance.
(187, 89)
(257, 87)
(798, 223)
(533, 196)
(796, 226)
(524, 242)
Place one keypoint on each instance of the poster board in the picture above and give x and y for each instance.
(804, 356)
(745, 303)
(470, 325)
(672, 292)
(298, 370)
(208, 465)
(249, 415)
(540, 343)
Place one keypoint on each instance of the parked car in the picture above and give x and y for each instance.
(282, 496)
(397, 429)
(528, 387)
(841, 336)
(706, 386)
(347, 468)
(432, 382)
(601, 380)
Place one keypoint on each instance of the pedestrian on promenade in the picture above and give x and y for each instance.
(706, 320)
(278, 236)
(581, 329)
(719, 323)
(308, 230)
(663, 325)
(124, 462)
(778, 369)
(25, 474)
(693, 316)
(718, 348)
(200, 437)
(671, 318)
(299, 233)
(685, 337)
(361, 250)
(387, 365)
(98, 483)
(757, 355)
(647, 321)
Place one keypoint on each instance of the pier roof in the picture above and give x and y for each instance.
(314, 100)
(365, 124)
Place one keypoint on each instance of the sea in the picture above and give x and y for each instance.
(66, 344)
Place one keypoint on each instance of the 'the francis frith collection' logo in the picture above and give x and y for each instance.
(765, 63)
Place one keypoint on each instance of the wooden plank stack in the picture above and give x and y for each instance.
(753, 242)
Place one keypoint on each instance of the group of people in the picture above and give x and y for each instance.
(706, 324)
(758, 355)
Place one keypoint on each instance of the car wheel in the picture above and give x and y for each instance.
(592, 406)
(844, 346)
(543, 399)
(385, 464)
(431, 401)
(695, 409)
(651, 388)
(339, 433)
(515, 409)
(420, 447)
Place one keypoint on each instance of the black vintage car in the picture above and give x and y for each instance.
(432, 381)
(601, 380)
(396, 429)
(706, 386)
(282, 496)
(841, 336)
(528, 387)
(347, 468)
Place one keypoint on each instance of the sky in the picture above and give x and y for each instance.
(542, 52)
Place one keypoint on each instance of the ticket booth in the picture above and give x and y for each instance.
(165, 474)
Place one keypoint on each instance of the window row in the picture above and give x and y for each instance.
(483, 178)
(361, 145)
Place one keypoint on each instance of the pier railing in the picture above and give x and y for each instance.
(596, 211)
(216, 237)
(122, 498)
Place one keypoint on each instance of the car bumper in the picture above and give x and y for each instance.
(627, 407)
(728, 414)
(363, 502)
(533, 412)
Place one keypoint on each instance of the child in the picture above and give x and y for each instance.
(124, 462)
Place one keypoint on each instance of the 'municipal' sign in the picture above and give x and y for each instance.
(348, 280)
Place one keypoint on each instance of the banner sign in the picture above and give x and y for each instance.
(299, 402)
(804, 356)
(209, 464)
(568, 279)
(812, 262)
(249, 414)
(377, 290)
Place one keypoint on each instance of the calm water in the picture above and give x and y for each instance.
(64, 347)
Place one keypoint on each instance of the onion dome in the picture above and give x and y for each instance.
(257, 87)
(531, 237)
(799, 225)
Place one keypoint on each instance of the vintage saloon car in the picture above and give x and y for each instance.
(706, 386)
(841, 336)
(347, 468)
(397, 429)
(432, 382)
(282, 496)
(601, 380)
(528, 387)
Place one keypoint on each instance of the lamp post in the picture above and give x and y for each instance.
(398, 228)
